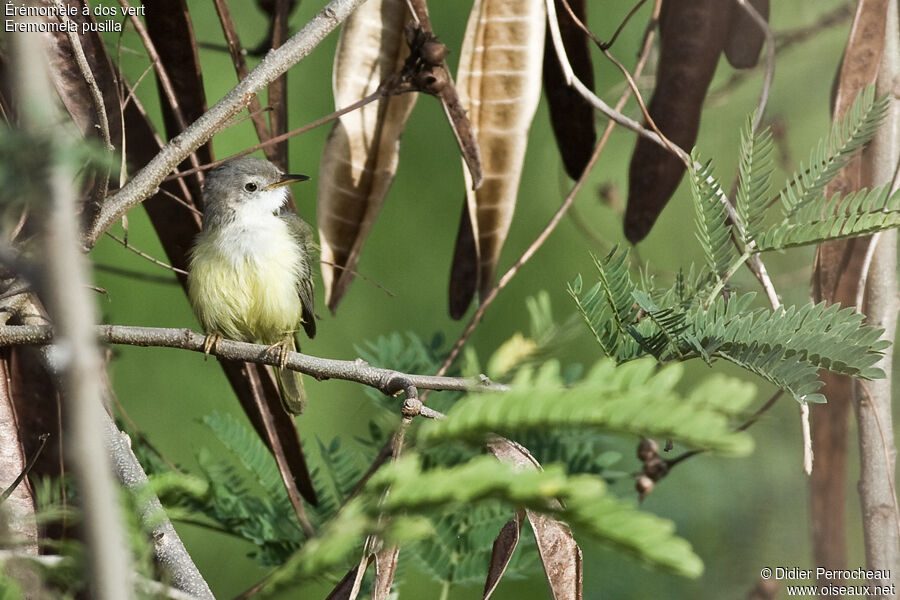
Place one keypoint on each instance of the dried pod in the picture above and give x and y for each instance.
(745, 38)
(656, 468)
(647, 449)
(692, 36)
(360, 157)
(643, 485)
(499, 84)
(571, 116)
(432, 79)
(433, 52)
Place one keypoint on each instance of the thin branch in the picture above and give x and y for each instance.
(274, 64)
(236, 51)
(148, 586)
(25, 471)
(387, 381)
(101, 185)
(613, 114)
(377, 94)
(770, 60)
(161, 73)
(145, 256)
(72, 310)
(168, 548)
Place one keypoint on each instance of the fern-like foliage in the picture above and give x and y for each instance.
(608, 307)
(400, 516)
(830, 155)
(631, 398)
(859, 213)
(713, 231)
(754, 174)
(785, 347)
(586, 504)
(460, 549)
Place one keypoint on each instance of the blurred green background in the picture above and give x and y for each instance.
(740, 515)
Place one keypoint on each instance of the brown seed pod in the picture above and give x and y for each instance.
(644, 485)
(656, 468)
(692, 34)
(745, 38)
(647, 449)
(432, 79)
(361, 154)
(571, 116)
(499, 85)
(433, 52)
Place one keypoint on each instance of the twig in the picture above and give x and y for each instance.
(785, 40)
(387, 381)
(72, 310)
(598, 104)
(25, 471)
(743, 427)
(274, 64)
(147, 256)
(161, 73)
(379, 93)
(169, 550)
(148, 586)
(240, 66)
(101, 185)
(770, 60)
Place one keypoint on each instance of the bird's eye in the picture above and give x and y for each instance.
(250, 187)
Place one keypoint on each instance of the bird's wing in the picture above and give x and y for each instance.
(303, 235)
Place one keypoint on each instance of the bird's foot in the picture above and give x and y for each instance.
(211, 344)
(283, 349)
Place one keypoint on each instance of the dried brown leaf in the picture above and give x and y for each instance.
(348, 587)
(692, 35)
(499, 84)
(360, 157)
(745, 38)
(70, 84)
(464, 273)
(571, 116)
(502, 552)
(557, 547)
(560, 554)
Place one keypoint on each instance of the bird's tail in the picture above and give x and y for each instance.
(290, 387)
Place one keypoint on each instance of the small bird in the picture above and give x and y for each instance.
(250, 275)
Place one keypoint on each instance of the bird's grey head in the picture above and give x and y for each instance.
(244, 185)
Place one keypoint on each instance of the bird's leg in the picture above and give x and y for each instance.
(283, 348)
(212, 343)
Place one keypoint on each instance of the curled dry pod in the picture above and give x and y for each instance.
(360, 156)
(499, 83)
(692, 36)
(745, 38)
(571, 116)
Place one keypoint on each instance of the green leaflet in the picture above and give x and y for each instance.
(713, 231)
(631, 398)
(832, 153)
(585, 504)
(754, 173)
(859, 213)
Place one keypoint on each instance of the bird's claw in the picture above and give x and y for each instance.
(211, 343)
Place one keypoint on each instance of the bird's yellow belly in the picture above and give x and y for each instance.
(246, 295)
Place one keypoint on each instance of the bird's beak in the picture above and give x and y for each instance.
(285, 180)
